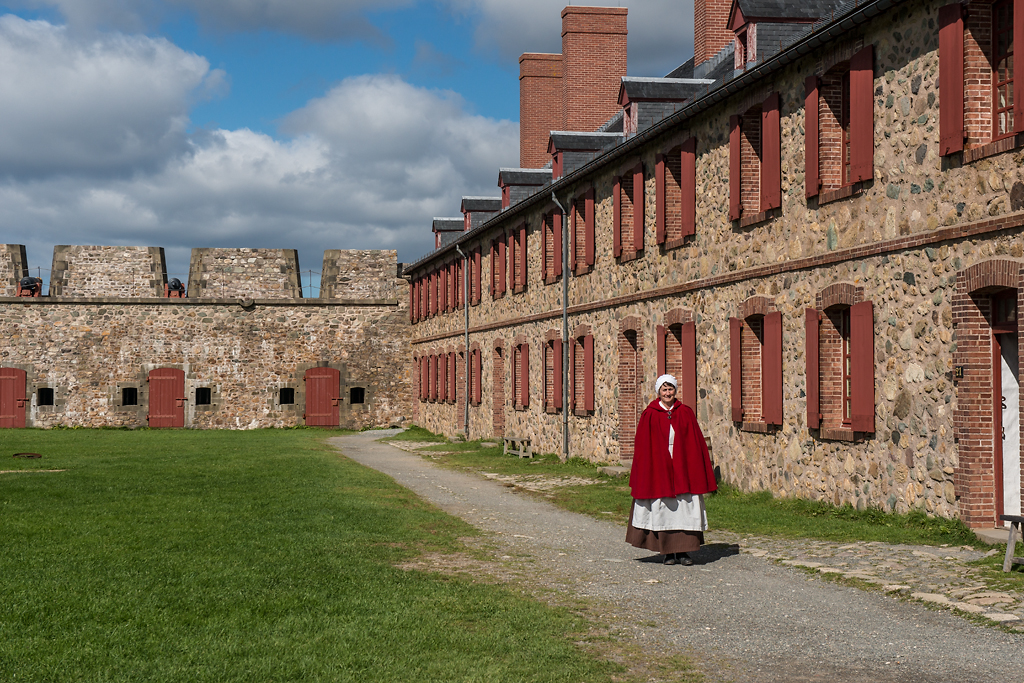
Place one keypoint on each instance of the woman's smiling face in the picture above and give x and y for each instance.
(667, 393)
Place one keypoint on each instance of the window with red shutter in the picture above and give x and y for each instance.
(840, 364)
(522, 260)
(688, 375)
(862, 364)
(660, 188)
(524, 382)
(862, 115)
(477, 380)
(688, 187)
(588, 369)
(771, 154)
(617, 212)
(812, 181)
(771, 369)
(590, 247)
(735, 169)
(453, 377)
(736, 368)
(951, 79)
(639, 208)
(556, 241)
(812, 320)
(557, 370)
(662, 350)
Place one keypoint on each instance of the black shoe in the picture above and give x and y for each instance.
(670, 558)
(684, 559)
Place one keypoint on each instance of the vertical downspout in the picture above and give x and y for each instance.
(565, 327)
(465, 300)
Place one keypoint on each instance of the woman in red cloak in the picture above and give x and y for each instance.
(671, 473)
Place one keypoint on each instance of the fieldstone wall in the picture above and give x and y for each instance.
(13, 267)
(107, 271)
(902, 237)
(89, 349)
(244, 273)
(360, 274)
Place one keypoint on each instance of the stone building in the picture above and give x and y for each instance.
(824, 243)
(244, 349)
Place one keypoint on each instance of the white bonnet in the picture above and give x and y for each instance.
(662, 380)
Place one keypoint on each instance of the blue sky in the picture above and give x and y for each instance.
(306, 124)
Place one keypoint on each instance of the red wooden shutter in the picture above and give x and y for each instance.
(442, 378)
(771, 369)
(477, 274)
(522, 255)
(735, 166)
(617, 216)
(588, 204)
(556, 226)
(688, 186)
(494, 265)
(524, 375)
(862, 115)
(862, 367)
(811, 318)
(547, 228)
(771, 154)
(659, 198)
(501, 267)
(951, 79)
(688, 382)
(661, 350)
(412, 302)
(812, 180)
(477, 381)
(556, 369)
(425, 361)
(574, 214)
(572, 374)
(1018, 101)
(588, 368)
(638, 208)
(432, 376)
(453, 380)
(736, 371)
(512, 253)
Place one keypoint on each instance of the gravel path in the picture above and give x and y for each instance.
(742, 617)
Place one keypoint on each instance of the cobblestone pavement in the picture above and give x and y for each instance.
(739, 612)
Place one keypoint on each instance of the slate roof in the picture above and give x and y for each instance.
(673, 89)
(486, 204)
(523, 176)
(612, 125)
(719, 67)
(684, 70)
(587, 142)
(784, 9)
(770, 36)
(449, 224)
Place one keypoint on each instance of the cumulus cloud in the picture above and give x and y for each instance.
(660, 31)
(107, 105)
(365, 166)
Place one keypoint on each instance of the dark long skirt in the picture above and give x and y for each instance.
(663, 542)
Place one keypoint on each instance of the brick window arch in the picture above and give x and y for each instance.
(675, 182)
(982, 291)
(677, 353)
(498, 388)
(475, 374)
(840, 362)
(628, 213)
(551, 246)
(520, 367)
(631, 382)
(581, 371)
(552, 371)
(755, 162)
(581, 233)
(755, 348)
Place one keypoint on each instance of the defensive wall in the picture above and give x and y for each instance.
(244, 346)
(926, 244)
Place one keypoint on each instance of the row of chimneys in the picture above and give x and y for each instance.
(566, 99)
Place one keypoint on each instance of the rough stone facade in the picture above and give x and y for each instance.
(108, 271)
(245, 273)
(907, 239)
(13, 267)
(237, 354)
(359, 274)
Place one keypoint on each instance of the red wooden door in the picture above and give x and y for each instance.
(12, 398)
(322, 397)
(167, 397)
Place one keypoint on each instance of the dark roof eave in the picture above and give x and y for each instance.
(798, 50)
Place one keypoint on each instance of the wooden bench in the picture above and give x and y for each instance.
(1011, 541)
(517, 446)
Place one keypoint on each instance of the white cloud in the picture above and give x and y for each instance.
(660, 31)
(105, 105)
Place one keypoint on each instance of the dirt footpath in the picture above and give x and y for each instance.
(740, 616)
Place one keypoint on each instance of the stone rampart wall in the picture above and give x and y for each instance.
(13, 267)
(360, 274)
(107, 271)
(244, 273)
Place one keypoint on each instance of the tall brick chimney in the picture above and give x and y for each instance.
(710, 28)
(593, 64)
(540, 106)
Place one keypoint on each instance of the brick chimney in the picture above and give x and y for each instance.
(593, 64)
(540, 106)
(710, 28)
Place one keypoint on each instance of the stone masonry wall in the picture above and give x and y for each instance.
(107, 271)
(244, 273)
(902, 238)
(13, 267)
(360, 274)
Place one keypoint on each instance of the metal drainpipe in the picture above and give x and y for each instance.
(465, 301)
(565, 327)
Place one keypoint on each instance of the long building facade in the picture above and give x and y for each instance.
(824, 244)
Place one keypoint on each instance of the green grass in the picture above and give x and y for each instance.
(728, 509)
(415, 433)
(255, 556)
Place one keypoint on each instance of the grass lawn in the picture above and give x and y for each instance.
(255, 556)
(728, 509)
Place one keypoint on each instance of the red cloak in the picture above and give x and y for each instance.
(656, 475)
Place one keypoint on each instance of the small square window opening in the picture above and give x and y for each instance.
(356, 395)
(129, 396)
(44, 396)
(203, 396)
(286, 396)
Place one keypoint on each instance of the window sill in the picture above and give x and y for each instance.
(631, 256)
(754, 219)
(520, 409)
(552, 280)
(756, 427)
(550, 410)
(580, 412)
(831, 434)
(519, 290)
(1006, 144)
(582, 270)
(829, 196)
(669, 245)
